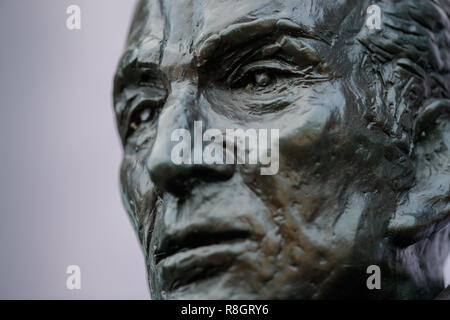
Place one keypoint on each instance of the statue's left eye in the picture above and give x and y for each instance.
(263, 79)
(260, 73)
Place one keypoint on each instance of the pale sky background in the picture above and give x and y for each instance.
(60, 154)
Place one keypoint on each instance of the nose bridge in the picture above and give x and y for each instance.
(181, 112)
(178, 113)
(179, 107)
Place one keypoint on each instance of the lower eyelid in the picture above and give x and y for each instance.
(143, 135)
(140, 141)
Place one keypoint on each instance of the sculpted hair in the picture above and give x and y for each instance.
(411, 51)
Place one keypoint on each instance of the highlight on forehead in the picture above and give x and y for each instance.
(210, 16)
(336, 18)
(148, 20)
(158, 23)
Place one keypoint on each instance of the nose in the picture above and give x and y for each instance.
(180, 112)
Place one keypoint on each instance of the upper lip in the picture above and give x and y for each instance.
(191, 238)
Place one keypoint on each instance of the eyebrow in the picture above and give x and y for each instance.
(241, 33)
(128, 66)
(217, 44)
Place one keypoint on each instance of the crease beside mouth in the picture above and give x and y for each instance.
(197, 239)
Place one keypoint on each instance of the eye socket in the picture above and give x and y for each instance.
(263, 79)
(144, 112)
(143, 116)
(258, 79)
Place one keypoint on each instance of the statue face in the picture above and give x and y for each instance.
(226, 231)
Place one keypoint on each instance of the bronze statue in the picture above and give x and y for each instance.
(364, 137)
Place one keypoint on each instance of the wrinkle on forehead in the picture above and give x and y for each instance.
(212, 16)
(200, 18)
(215, 16)
(180, 25)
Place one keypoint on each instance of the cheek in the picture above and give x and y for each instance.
(315, 228)
(311, 139)
(311, 111)
(137, 189)
(322, 153)
(252, 103)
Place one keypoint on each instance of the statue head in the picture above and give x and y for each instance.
(362, 147)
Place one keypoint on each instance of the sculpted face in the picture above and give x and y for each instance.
(304, 68)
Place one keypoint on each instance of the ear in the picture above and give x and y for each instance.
(425, 209)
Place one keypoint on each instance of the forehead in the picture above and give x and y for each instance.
(191, 21)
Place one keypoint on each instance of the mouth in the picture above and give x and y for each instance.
(199, 255)
(197, 239)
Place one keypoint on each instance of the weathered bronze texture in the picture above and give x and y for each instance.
(363, 117)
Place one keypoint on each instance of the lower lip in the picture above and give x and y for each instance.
(201, 263)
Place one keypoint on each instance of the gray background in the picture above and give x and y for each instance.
(60, 153)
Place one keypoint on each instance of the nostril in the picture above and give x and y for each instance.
(179, 180)
(167, 178)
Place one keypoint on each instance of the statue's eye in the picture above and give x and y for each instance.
(263, 79)
(142, 113)
(143, 116)
(261, 74)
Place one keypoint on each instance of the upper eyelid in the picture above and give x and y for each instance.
(129, 78)
(149, 95)
(140, 101)
(273, 64)
(284, 48)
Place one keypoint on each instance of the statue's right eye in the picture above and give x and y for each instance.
(143, 113)
(142, 116)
